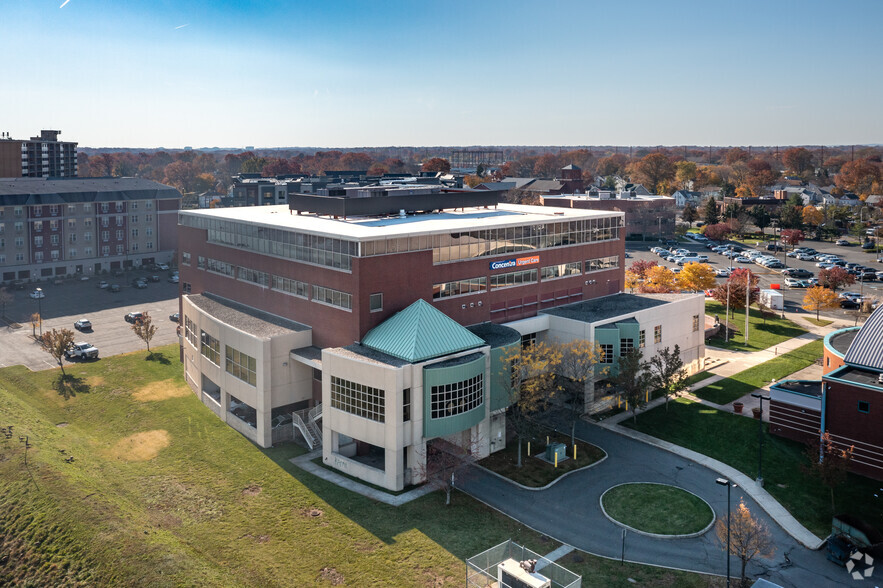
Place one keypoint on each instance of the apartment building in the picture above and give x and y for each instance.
(38, 157)
(84, 226)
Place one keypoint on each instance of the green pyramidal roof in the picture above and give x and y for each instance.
(420, 332)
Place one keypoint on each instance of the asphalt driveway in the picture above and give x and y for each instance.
(569, 511)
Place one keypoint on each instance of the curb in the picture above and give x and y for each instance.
(658, 535)
(734, 475)
(550, 484)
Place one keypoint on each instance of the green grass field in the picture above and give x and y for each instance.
(657, 508)
(733, 440)
(162, 493)
(738, 385)
(762, 334)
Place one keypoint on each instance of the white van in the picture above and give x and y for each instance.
(689, 259)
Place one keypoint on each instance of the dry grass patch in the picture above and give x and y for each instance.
(252, 490)
(161, 391)
(95, 381)
(142, 446)
(332, 576)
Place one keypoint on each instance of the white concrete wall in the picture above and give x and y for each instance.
(277, 381)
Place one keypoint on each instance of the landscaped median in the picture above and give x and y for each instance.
(763, 333)
(659, 510)
(738, 385)
(733, 440)
(536, 472)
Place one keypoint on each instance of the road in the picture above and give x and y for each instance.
(569, 511)
(793, 296)
(64, 304)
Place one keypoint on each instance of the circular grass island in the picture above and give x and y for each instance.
(657, 509)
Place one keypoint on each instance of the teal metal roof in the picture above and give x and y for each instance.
(420, 332)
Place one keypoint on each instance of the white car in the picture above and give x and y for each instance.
(795, 283)
(805, 257)
(83, 325)
(102, 284)
(722, 272)
(37, 294)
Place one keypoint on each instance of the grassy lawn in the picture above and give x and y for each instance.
(817, 322)
(695, 378)
(761, 334)
(656, 508)
(162, 493)
(738, 385)
(733, 440)
(535, 472)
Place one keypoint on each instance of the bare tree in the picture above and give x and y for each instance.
(145, 329)
(445, 463)
(6, 297)
(576, 370)
(632, 379)
(749, 537)
(668, 373)
(56, 342)
(829, 463)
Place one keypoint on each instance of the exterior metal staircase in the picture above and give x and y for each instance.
(305, 422)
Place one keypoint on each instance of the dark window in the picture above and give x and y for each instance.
(528, 340)
(406, 405)
(376, 302)
(606, 353)
(626, 345)
(317, 374)
(864, 406)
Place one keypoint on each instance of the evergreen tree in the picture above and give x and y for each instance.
(711, 214)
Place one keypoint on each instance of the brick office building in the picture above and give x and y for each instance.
(383, 310)
(847, 402)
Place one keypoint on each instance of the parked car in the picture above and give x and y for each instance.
(849, 304)
(676, 270)
(805, 256)
(154, 278)
(81, 350)
(842, 242)
(37, 294)
(722, 272)
(134, 317)
(868, 245)
(162, 266)
(83, 325)
(113, 288)
(797, 272)
(773, 247)
(174, 279)
(795, 283)
(175, 317)
(140, 284)
(103, 284)
(743, 259)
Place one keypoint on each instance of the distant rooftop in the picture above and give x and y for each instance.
(608, 307)
(368, 228)
(866, 349)
(245, 318)
(35, 191)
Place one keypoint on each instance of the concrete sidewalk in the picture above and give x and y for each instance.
(769, 504)
(305, 462)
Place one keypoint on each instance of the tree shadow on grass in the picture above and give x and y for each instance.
(158, 357)
(69, 385)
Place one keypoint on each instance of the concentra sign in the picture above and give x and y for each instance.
(515, 262)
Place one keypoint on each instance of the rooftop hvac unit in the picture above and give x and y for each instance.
(512, 574)
(880, 378)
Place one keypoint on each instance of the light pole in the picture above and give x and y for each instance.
(39, 292)
(760, 397)
(725, 482)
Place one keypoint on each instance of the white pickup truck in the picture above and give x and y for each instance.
(81, 351)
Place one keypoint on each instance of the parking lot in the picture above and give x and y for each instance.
(72, 300)
(793, 296)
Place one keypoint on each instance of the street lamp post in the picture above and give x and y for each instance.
(40, 309)
(760, 397)
(725, 482)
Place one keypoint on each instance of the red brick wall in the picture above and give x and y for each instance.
(794, 422)
(830, 361)
(848, 426)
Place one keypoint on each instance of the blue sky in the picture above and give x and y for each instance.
(325, 73)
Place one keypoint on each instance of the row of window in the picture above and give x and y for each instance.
(86, 207)
(321, 294)
(338, 253)
(358, 399)
(517, 278)
(453, 399)
(236, 363)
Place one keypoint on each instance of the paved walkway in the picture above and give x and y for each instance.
(305, 462)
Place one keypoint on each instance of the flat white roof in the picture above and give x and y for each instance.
(368, 228)
(588, 197)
